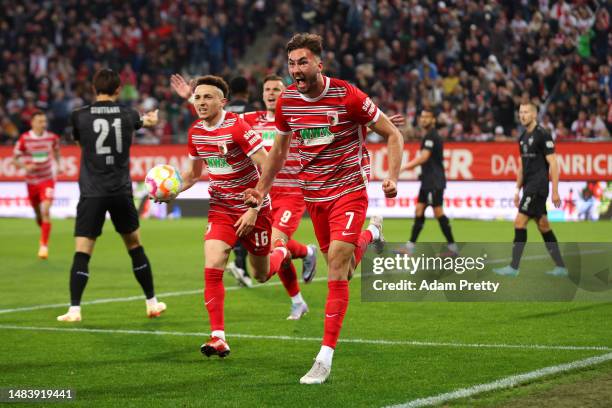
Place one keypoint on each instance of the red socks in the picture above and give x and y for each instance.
(288, 276)
(364, 240)
(45, 230)
(297, 249)
(335, 308)
(214, 297)
(276, 260)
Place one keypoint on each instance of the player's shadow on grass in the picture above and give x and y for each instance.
(565, 311)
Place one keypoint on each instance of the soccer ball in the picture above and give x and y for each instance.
(163, 182)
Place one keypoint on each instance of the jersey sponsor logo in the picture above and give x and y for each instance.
(367, 104)
(250, 137)
(268, 137)
(316, 136)
(40, 157)
(218, 165)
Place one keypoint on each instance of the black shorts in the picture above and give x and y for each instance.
(435, 198)
(533, 205)
(91, 214)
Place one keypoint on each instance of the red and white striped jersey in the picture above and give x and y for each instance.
(226, 148)
(330, 130)
(37, 150)
(286, 181)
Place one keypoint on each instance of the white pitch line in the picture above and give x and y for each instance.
(140, 297)
(317, 339)
(502, 383)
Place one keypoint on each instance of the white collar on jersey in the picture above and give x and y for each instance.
(216, 125)
(33, 134)
(307, 99)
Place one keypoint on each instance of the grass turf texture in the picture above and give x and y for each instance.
(118, 369)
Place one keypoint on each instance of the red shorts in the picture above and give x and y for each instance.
(287, 211)
(340, 220)
(221, 226)
(40, 192)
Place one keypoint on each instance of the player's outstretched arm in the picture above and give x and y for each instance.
(151, 118)
(180, 86)
(422, 157)
(270, 166)
(395, 145)
(554, 178)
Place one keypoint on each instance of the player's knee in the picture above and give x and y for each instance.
(261, 277)
(543, 227)
(131, 240)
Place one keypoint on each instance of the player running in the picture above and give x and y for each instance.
(287, 200)
(104, 131)
(433, 182)
(35, 152)
(537, 162)
(329, 117)
(232, 151)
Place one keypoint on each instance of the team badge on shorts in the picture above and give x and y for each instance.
(332, 118)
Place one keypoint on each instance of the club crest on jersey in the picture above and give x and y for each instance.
(332, 118)
(530, 141)
(222, 148)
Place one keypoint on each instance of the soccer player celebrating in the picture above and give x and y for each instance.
(433, 182)
(104, 132)
(537, 162)
(35, 152)
(329, 117)
(232, 151)
(287, 200)
(288, 204)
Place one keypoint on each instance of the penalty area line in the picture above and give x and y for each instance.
(312, 339)
(507, 382)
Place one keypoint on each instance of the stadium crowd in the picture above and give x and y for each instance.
(472, 61)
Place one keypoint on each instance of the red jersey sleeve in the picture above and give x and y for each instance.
(248, 140)
(56, 141)
(360, 107)
(249, 117)
(19, 146)
(282, 127)
(193, 152)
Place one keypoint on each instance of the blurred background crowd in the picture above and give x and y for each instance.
(473, 62)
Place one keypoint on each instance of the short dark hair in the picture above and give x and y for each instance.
(239, 85)
(37, 113)
(213, 81)
(429, 110)
(312, 42)
(273, 77)
(106, 82)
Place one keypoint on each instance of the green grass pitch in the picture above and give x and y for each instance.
(113, 359)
